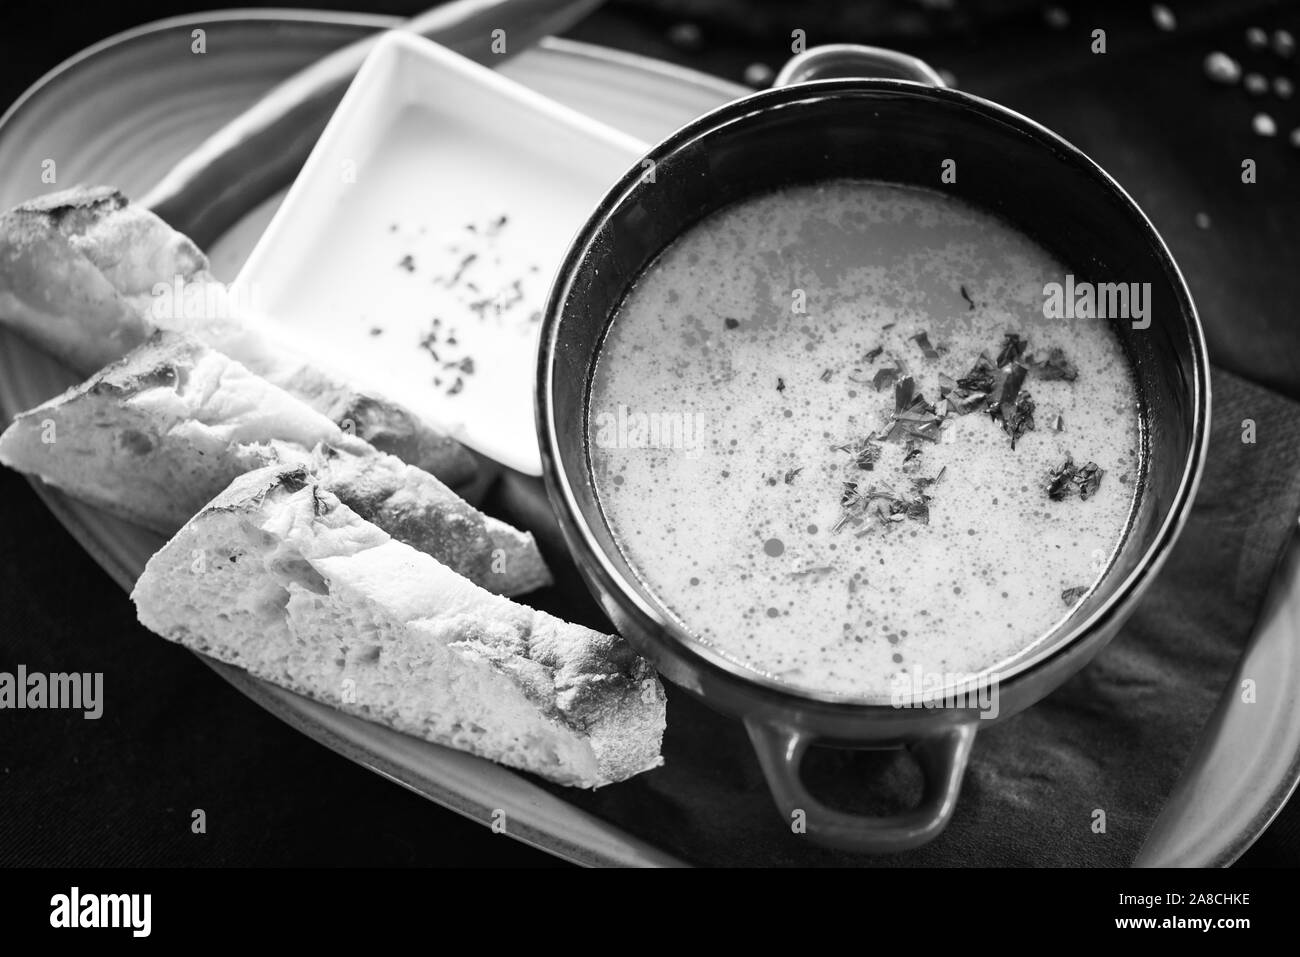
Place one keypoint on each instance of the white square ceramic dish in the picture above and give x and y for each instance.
(415, 249)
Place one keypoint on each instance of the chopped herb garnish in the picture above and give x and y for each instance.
(980, 377)
(849, 496)
(1058, 424)
(790, 475)
(1071, 595)
(887, 326)
(922, 339)
(1006, 385)
(1060, 487)
(1013, 347)
(883, 504)
(867, 455)
(886, 375)
(731, 323)
(995, 387)
(1089, 480)
(864, 453)
(826, 375)
(1055, 367)
(884, 378)
(965, 295)
(780, 384)
(924, 482)
(1066, 479)
(961, 402)
(1018, 417)
(1007, 403)
(905, 394)
(407, 262)
(913, 416)
(921, 425)
(874, 353)
(918, 510)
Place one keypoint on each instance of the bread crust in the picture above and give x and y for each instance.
(53, 293)
(585, 690)
(155, 435)
(78, 269)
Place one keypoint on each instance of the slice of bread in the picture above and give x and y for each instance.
(80, 275)
(516, 554)
(280, 578)
(156, 435)
(77, 269)
(386, 425)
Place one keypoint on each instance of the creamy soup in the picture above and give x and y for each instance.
(833, 433)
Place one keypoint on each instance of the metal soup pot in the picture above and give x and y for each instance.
(865, 113)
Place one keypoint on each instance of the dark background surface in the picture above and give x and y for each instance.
(121, 790)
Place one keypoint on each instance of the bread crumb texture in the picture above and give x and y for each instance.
(280, 578)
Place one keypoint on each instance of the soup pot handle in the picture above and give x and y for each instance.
(942, 757)
(850, 60)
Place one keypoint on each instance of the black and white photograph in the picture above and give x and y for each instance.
(738, 434)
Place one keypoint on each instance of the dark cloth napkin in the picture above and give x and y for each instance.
(1115, 737)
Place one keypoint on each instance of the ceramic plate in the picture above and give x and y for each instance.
(124, 110)
(416, 246)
